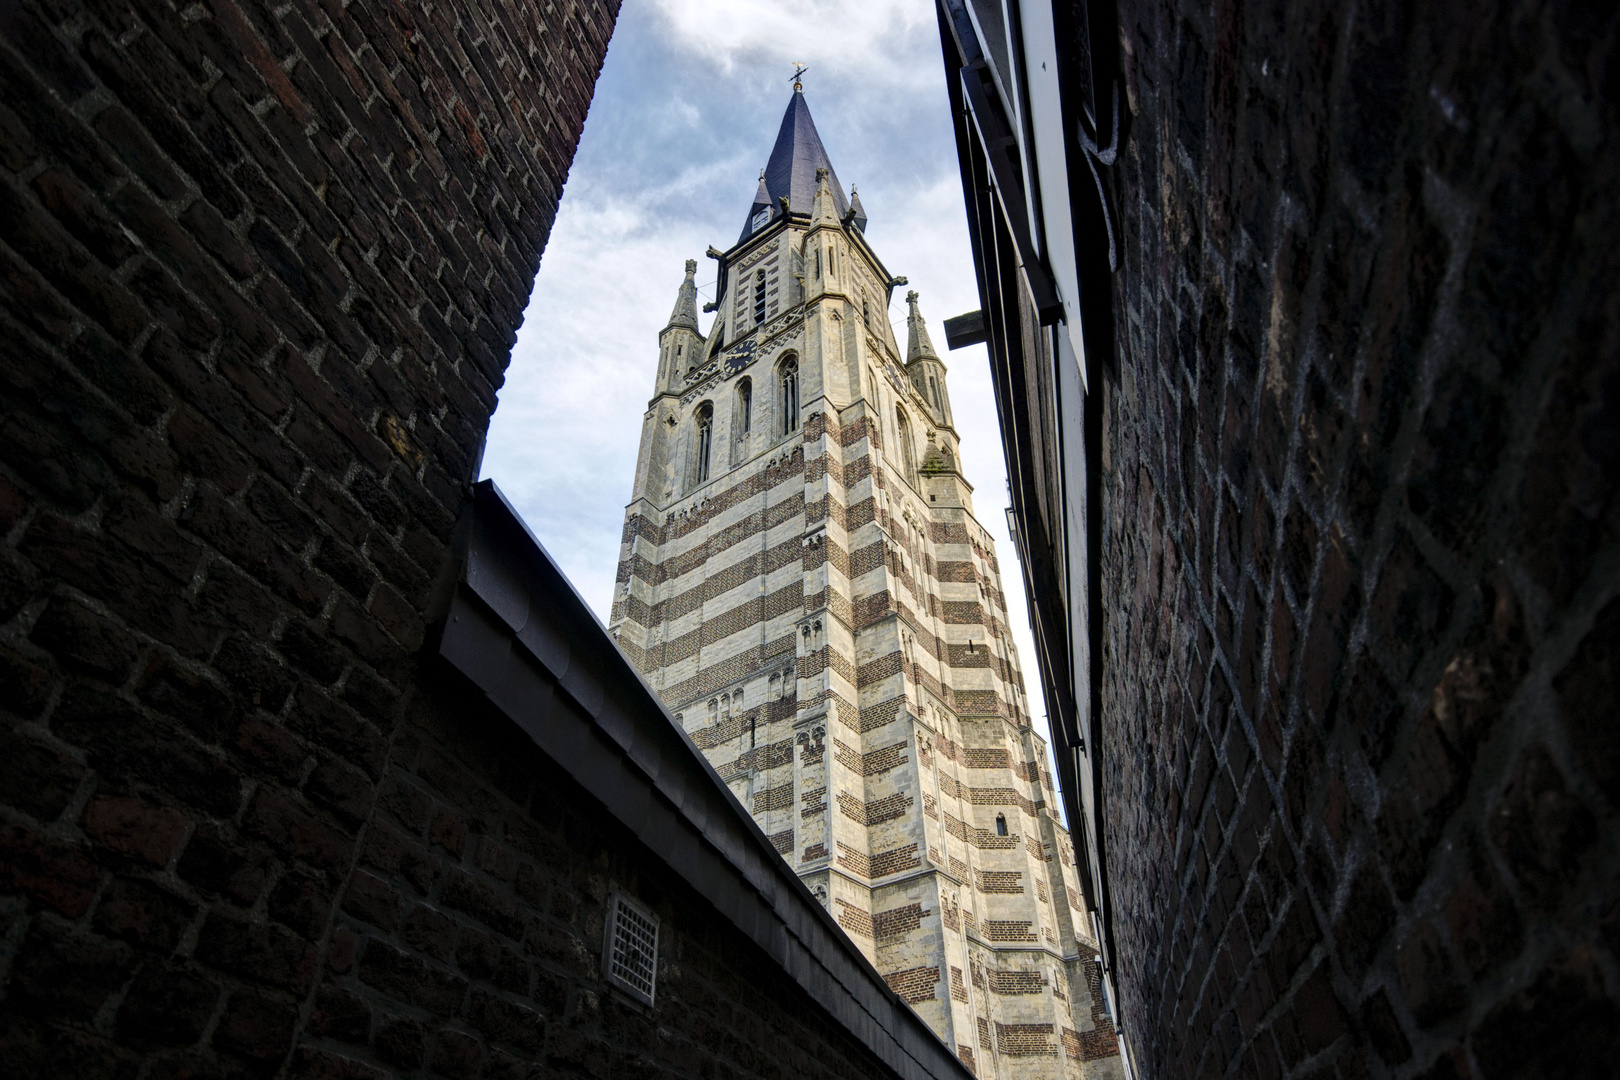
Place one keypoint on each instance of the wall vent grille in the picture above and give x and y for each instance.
(632, 949)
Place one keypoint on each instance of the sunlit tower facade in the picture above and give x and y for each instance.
(803, 580)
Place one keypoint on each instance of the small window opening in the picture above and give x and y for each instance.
(866, 313)
(759, 297)
(818, 262)
(745, 409)
(1001, 825)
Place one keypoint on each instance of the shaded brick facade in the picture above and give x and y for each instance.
(1359, 527)
(260, 271)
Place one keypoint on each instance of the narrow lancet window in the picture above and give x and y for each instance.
(790, 397)
(759, 297)
(745, 409)
(908, 454)
(705, 440)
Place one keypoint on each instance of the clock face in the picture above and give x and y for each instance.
(740, 357)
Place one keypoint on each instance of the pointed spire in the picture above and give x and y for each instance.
(857, 212)
(918, 346)
(685, 312)
(822, 209)
(762, 201)
(791, 171)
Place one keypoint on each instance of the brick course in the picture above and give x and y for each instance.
(1357, 540)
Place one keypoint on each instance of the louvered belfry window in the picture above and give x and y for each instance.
(631, 960)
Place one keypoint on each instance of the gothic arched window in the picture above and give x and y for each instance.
(759, 297)
(1001, 825)
(705, 440)
(745, 409)
(789, 379)
(908, 455)
(933, 385)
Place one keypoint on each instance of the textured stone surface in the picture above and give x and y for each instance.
(821, 577)
(260, 271)
(1360, 541)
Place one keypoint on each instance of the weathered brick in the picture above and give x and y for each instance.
(214, 860)
(341, 1014)
(56, 971)
(372, 900)
(167, 1005)
(401, 1041)
(54, 872)
(262, 952)
(78, 636)
(257, 1025)
(278, 819)
(146, 915)
(409, 979)
(38, 778)
(135, 827)
(302, 901)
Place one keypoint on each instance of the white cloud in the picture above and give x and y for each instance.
(848, 39)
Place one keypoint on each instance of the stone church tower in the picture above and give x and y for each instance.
(803, 580)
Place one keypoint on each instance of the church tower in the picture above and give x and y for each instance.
(803, 580)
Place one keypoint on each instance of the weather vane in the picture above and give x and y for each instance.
(798, 69)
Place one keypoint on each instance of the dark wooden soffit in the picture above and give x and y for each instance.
(516, 628)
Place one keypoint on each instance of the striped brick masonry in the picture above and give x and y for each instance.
(802, 578)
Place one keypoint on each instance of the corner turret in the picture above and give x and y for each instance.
(857, 213)
(923, 364)
(680, 344)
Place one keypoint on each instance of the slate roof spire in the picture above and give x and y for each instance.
(685, 311)
(791, 170)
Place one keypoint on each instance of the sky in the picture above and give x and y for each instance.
(684, 117)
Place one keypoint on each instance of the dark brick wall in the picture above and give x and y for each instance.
(1361, 565)
(260, 270)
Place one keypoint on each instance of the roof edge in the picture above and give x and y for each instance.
(519, 631)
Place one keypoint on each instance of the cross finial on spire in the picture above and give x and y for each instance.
(798, 70)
